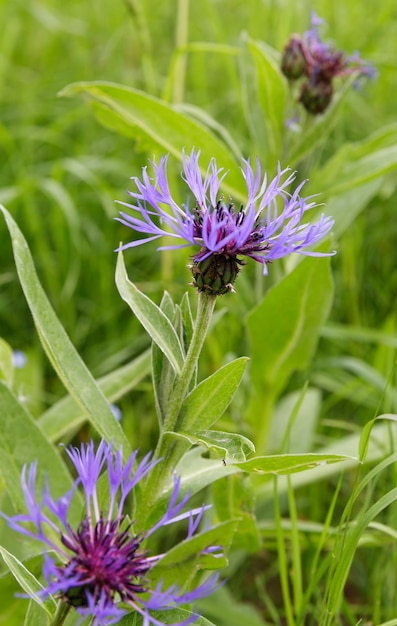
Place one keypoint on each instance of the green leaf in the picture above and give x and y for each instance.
(163, 375)
(12, 609)
(178, 566)
(6, 363)
(63, 419)
(366, 433)
(235, 498)
(155, 322)
(232, 447)
(138, 115)
(196, 473)
(285, 327)
(188, 321)
(35, 615)
(382, 442)
(172, 617)
(67, 363)
(293, 311)
(290, 463)
(17, 450)
(28, 582)
(358, 163)
(210, 399)
(355, 200)
(272, 90)
(203, 117)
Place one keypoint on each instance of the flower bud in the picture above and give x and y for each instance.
(216, 274)
(293, 62)
(316, 96)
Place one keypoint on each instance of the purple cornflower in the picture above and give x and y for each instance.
(267, 228)
(101, 568)
(323, 61)
(320, 63)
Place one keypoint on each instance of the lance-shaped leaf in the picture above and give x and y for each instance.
(290, 463)
(66, 361)
(28, 582)
(285, 328)
(35, 615)
(181, 562)
(6, 364)
(196, 473)
(172, 616)
(358, 163)
(138, 115)
(65, 417)
(22, 441)
(163, 374)
(269, 91)
(152, 318)
(210, 399)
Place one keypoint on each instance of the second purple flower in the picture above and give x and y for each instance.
(268, 227)
(102, 567)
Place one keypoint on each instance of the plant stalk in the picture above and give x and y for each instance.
(61, 613)
(205, 310)
(171, 450)
(182, 33)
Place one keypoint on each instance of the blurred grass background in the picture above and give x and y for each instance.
(60, 173)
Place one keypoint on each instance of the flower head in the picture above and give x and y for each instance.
(269, 226)
(323, 61)
(320, 63)
(101, 567)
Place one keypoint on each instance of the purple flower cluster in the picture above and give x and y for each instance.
(101, 568)
(268, 227)
(319, 63)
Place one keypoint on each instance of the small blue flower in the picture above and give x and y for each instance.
(19, 359)
(101, 568)
(268, 227)
(117, 412)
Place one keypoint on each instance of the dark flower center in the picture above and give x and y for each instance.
(232, 218)
(328, 63)
(105, 562)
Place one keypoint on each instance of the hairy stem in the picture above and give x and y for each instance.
(170, 449)
(205, 309)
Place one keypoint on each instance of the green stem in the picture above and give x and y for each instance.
(182, 28)
(145, 44)
(205, 309)
(171, 450)
(61, 612)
